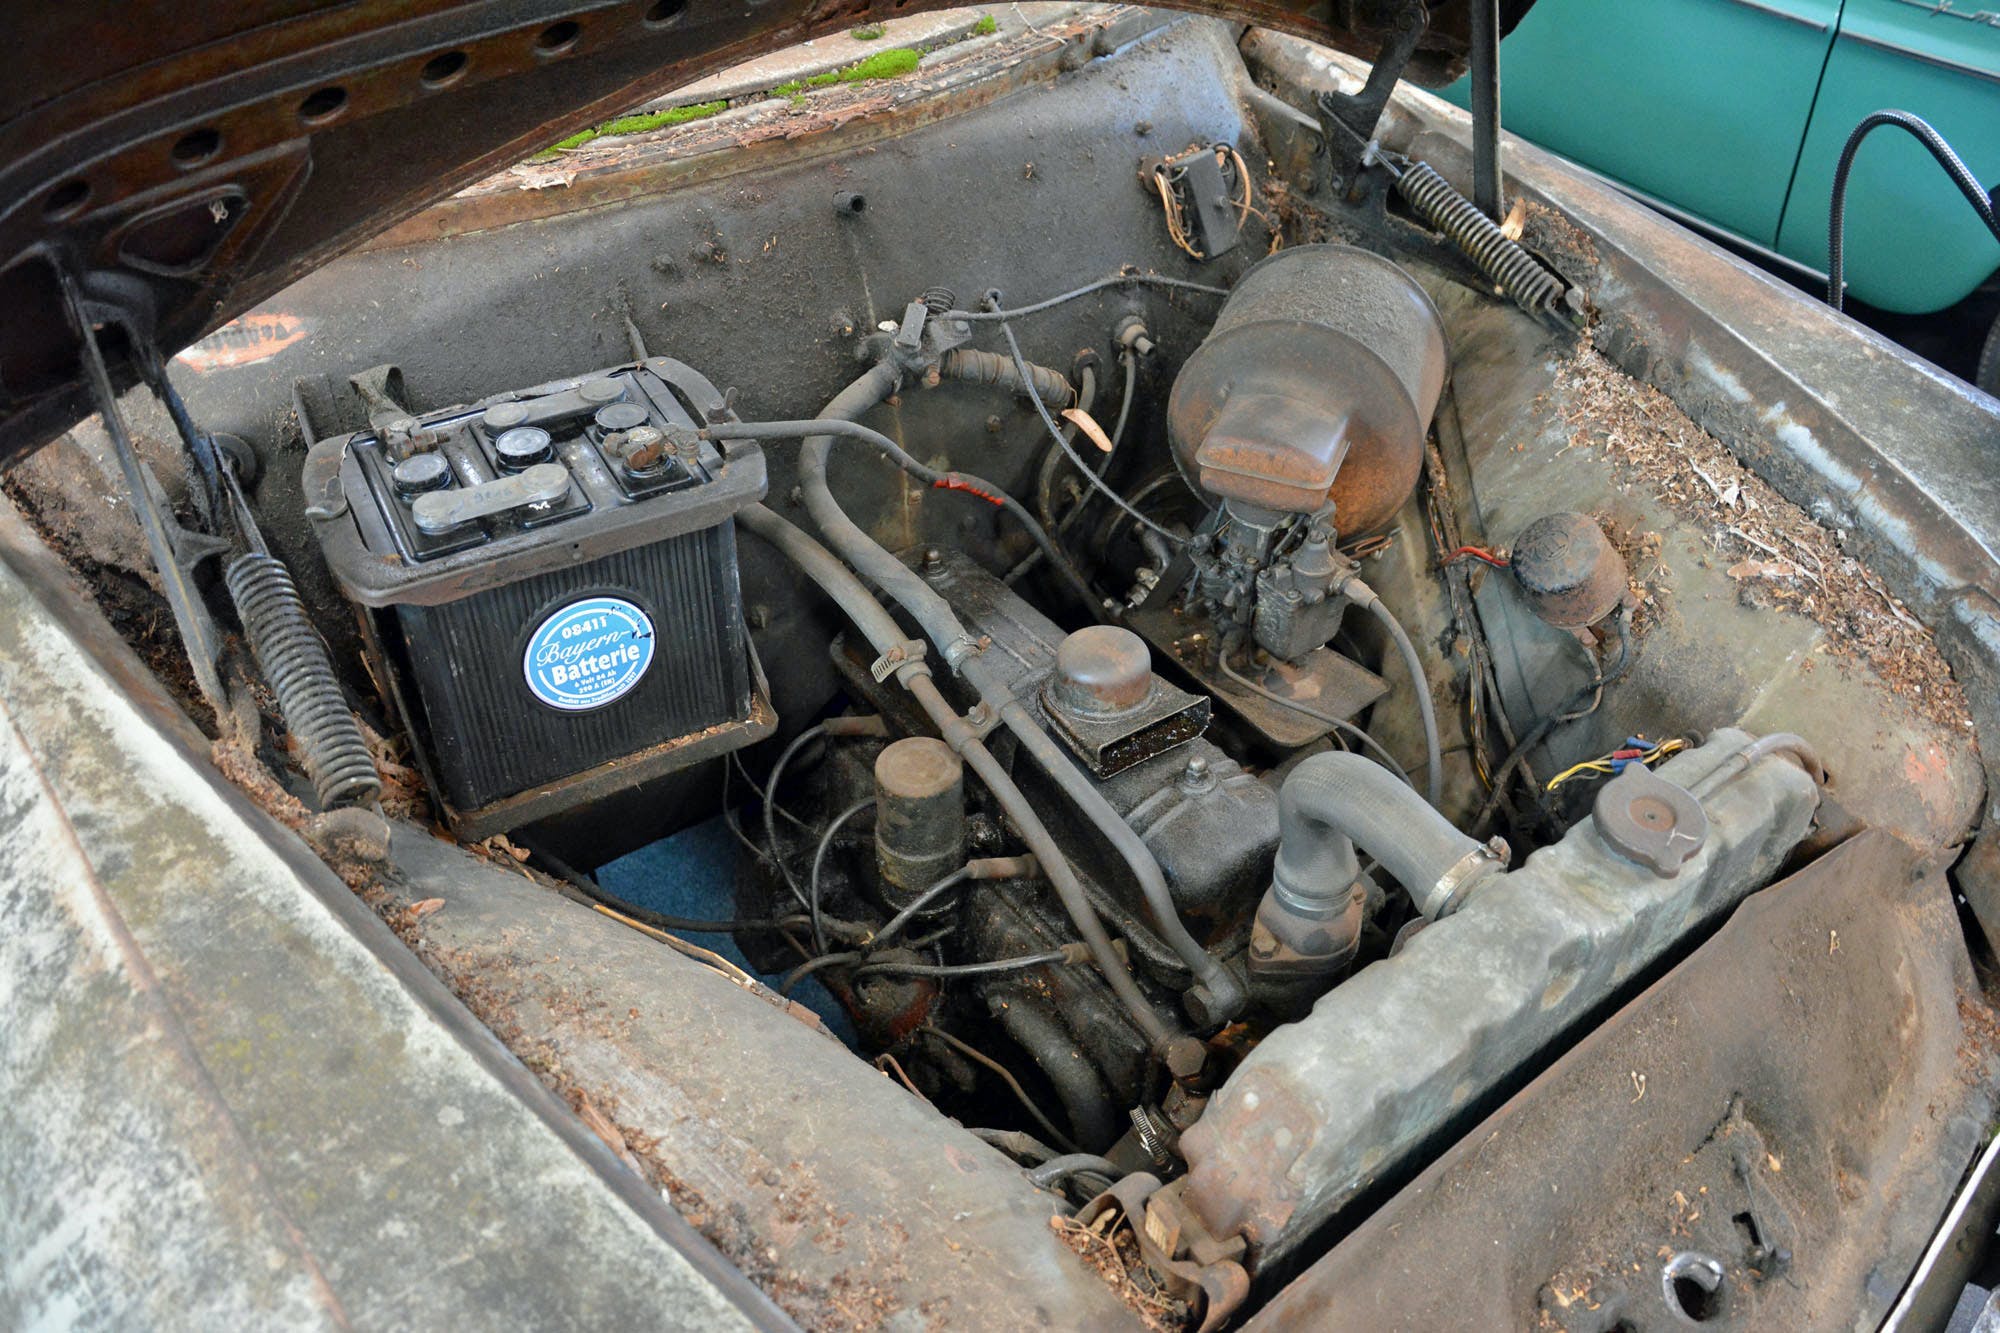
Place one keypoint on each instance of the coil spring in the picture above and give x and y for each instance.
(939, 299)
(1517, 272)
(294, 661)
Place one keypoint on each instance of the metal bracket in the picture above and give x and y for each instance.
(174, 551)
(1164, 1230)
(1348, 120)
(441, 511)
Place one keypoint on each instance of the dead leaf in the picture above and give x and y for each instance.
(1764, 569)
(418, 911)
(1084, 422)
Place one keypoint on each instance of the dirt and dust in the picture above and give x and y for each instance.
(1113, 1255)
(1567, 248)
(1777, 553)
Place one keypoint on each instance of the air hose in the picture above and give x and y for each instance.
(1983, 203)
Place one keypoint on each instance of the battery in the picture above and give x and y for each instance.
(547, 584)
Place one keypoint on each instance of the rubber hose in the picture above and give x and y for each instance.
(1332, 802)
(1058, 1169)
(1216, 996)
(1954, 166)
(1219, 996)
(968, 366)
(1420, 683)
(868, 615)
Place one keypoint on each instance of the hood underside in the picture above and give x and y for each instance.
(180, 177)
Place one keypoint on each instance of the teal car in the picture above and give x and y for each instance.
(1732, 114)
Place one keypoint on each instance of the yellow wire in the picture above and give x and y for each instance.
(1604, 765)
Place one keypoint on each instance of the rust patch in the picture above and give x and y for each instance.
(245, 341)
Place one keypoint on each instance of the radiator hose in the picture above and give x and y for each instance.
(1332, 803)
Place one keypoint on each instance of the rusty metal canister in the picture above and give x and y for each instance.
(919, 815)
(1316, 383)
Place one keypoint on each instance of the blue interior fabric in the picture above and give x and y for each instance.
(693, 874)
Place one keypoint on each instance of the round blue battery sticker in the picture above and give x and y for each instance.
(588, 654)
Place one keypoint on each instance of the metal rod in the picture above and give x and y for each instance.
(198, 633)
(1486, 185)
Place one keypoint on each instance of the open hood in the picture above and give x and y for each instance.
(180, 174)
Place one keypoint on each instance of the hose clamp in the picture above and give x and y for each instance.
(1449, 892)
(897, 657)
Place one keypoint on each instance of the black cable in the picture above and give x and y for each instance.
(1098, 483)
(921, 901)
(987, 968)
(1581, 704)
(812, 965)
(1954, 166)
(1116, 280)
(819, 861)
(588, 891)
(1131, 360)
(799, 742)
(930, 476)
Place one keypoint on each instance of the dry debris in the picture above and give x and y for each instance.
(1113, 1255)
(1777, 553)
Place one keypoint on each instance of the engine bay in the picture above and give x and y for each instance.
(1195, 663)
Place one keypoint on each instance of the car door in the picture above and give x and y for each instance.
(1912, 244)
(1701, 104)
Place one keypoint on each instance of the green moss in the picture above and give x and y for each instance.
(635, 124)
(986, 27)
(890, 64)
(868, 32)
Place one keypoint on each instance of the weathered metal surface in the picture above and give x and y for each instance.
(300, 134)
(1315, 385)
(854, 1202)
(1105, 703)
(919, 814)
(1325, 1107)
(743, 271)
(1711, 651)
(230, 1097)
(1796, 1102)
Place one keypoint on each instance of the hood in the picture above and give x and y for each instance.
(179, 177)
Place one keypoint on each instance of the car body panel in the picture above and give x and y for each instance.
(1733, 113)
(1701, 103)
(1912, 244)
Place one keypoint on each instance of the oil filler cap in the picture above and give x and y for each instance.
(1647, 819)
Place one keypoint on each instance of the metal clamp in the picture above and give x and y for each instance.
(1452, 886)
(441, 511)
(898, 656)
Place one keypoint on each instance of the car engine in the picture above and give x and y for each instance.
(1163, 641)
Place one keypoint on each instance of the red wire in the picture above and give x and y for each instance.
(954, 484)
(1475, 553)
